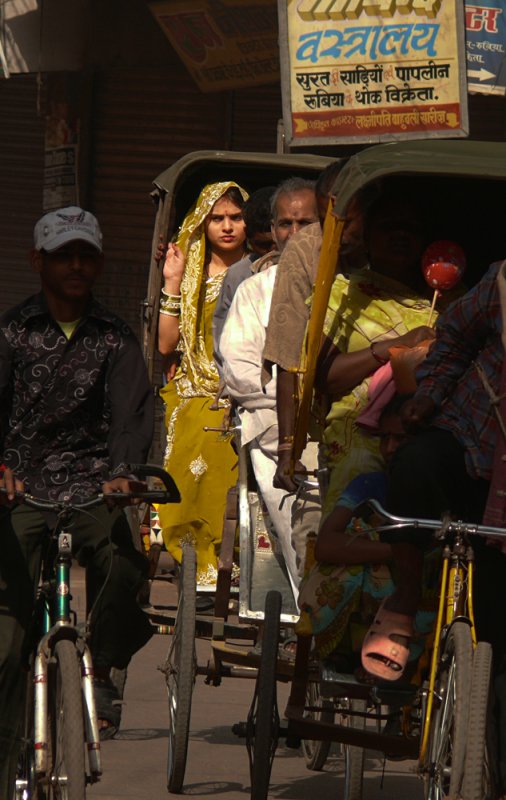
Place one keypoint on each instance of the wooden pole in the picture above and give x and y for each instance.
(329, 258)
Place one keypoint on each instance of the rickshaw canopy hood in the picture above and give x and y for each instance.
(452, 158)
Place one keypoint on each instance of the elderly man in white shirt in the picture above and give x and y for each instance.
(241, 345)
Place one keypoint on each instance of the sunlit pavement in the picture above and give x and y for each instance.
(134, 763)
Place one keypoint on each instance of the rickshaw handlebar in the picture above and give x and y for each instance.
(443, 526)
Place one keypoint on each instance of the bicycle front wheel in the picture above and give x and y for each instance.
(449, 723)
(180, 671)
(479, 772)
(263, 719)
(66, 776)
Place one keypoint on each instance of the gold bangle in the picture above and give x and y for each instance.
(288, 438)
(166, 313)
(170, 305)
(171, 296)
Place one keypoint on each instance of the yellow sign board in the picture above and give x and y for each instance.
(372, 70)
(225, 44)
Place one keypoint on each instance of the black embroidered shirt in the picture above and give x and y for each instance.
(73, 412)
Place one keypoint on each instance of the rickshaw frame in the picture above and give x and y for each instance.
(432, 158)
(185, 179)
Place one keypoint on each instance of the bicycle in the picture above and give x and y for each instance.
(443, 721)
(452, 755)
(60, 748)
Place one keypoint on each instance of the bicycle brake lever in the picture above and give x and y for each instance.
(171, 493)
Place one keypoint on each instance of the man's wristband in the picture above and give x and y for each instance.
(284, 447)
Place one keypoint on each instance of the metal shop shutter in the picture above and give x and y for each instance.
(256, 112)
(487, 117)
(21, 173)
(142, 123)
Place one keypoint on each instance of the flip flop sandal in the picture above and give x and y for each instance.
(288, 649)
(108, 705)
(383, 655)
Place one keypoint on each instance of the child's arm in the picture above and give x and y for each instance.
(335, 546)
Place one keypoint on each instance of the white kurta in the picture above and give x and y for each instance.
(241, 345)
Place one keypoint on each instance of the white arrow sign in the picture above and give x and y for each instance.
(482, 74)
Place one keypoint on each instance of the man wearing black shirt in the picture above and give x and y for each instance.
(76, 408)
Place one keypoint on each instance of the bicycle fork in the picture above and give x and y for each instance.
(63, 629)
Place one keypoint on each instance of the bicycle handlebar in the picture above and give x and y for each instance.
(170, 493)
(445, 525)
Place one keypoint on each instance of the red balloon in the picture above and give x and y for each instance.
(443, 263)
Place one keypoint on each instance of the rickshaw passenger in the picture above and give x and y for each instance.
(241, 346)
(385, 303)
(372, 309)
(456, 464)
(290, 310)
(351, 576)
(257, 222)
(211, 238)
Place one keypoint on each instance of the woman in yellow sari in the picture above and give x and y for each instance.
(202, 463)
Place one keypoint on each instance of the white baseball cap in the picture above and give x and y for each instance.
(69, 224)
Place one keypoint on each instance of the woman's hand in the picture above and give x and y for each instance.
(161, 249)
(413, 337)
(409, 339)
(173, 267)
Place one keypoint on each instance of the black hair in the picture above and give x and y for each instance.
(327, 177)
(257, 211)
(235, 197)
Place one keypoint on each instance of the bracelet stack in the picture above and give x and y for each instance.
(170, 304)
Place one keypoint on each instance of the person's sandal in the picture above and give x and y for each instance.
(108, 705)
(385, 649)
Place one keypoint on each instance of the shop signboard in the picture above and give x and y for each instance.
(486, 46)
(224, 44)
(372, 70)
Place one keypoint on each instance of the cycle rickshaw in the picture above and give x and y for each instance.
(261, 567)
(443, 719)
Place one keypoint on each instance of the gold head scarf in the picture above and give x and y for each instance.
(200, 371)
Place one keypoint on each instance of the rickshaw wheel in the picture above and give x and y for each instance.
(262, 727)
(353, 756)
(479, 775)
(316, 752)
(449, 723)
(180, 668)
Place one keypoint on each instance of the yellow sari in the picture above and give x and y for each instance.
(202, 463)
(364, 308)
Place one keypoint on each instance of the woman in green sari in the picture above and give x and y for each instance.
(385, 304)
(211, 238)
